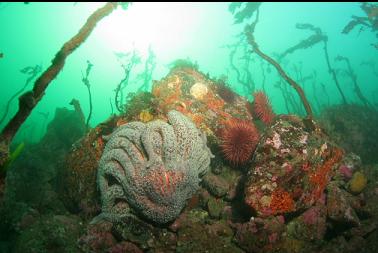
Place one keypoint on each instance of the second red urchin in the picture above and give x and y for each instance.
(262, 107)
(238, 141)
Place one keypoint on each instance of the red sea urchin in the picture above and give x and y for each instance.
(239, 140)
(262, 107)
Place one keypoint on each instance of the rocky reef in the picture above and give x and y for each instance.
(297, 188)
(33, 217)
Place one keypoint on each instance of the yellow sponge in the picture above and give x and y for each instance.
(357, 183)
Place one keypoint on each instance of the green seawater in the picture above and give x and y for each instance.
(204, 33)
(49, 185)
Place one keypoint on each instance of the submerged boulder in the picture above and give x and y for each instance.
(291, 168)
(310, 226)
(339, 208)
(208, 103)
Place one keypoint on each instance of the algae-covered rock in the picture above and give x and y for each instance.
(56, 233)
(144, 235)
(215, 207)
(97, 238)
(216, 185)
(125, 247)
(197, 96)
(140, 107)
(292, 166)
(135, 230)
(339, 208)
(197, 236)
(310, 225)
(260, 235)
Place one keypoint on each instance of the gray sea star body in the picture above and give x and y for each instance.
(153, 167)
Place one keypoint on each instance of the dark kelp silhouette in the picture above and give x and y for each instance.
(291, 100)
(319, 91)
(317, 37)
(301, 79)
(249, 29)
(111, 107)
(146, 76)
(241, 66)
(291, 104)
(85, 80)
(312, 40)
(30, 99)
(31, 72)
(244, 12)
(128, 61)
(76, 104)
(369, 21)
(353, 76)
(262, 63)
(371, 64)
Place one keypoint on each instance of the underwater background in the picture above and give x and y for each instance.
(202, 32)
(144, 60)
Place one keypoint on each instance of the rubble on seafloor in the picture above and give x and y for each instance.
(299, 192)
